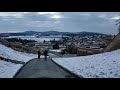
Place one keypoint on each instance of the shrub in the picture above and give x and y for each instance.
(56, 46)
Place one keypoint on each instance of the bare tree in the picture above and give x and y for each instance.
(118, 24)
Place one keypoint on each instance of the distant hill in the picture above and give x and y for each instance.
(31, 32)
(89, 33)
(47, 33)
(19, 33)
(4, 34)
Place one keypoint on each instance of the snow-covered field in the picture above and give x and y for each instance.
(52, 55)
(58, 50)
(15, 55)
(105, 65)
(8, 69)
(41, 39)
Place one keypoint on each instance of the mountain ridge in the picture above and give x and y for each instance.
(47, 33)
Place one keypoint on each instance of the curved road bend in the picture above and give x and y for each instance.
(40, 68)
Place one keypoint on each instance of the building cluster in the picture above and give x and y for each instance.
(87, 41)
(94, 42)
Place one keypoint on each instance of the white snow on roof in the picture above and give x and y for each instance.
(105, 65)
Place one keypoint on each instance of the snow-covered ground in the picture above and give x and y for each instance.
(15, 55)
(41, 39)
(8, 69)
(58, 50)
(52, 55)
(105, 65)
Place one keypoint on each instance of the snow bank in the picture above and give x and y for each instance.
(8, 69)
(15, 55)
(105, 65)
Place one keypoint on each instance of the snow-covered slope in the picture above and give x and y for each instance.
(15, 55)
(8, 69)
(105, 65)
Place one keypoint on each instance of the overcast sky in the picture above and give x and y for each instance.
(102, 22)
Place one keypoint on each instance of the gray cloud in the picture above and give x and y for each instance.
(102, 22)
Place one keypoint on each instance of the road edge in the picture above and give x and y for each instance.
(66, 69)
(22, 68)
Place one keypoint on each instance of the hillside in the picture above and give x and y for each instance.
(15, 55)
(9, 69)
(105, 65)
(114, 44)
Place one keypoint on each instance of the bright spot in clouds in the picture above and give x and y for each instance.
(48, 13)
(56, 16)
(116, 17)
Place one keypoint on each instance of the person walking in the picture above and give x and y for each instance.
(45, 54)
(63, 52)
(39, 54)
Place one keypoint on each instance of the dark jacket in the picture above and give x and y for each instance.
(45, 52)
(39, 53)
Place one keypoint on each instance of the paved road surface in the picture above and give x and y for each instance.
(40, 68)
